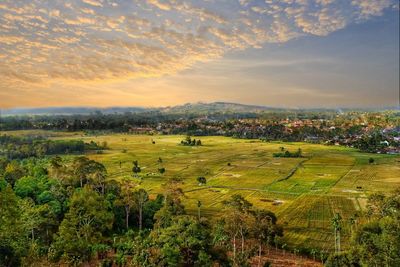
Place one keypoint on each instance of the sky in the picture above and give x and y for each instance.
(286, 53)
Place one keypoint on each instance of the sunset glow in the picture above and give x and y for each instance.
(298, 53)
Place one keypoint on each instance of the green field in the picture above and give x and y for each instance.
(324, 182)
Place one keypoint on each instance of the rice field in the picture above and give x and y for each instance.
(303, 192)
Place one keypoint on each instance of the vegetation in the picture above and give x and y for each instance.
(288, 154)
(369, 131)
(202, 180)
(100, 208)
(376, 242)
(14, 147)
(191, 142)
(67, 212)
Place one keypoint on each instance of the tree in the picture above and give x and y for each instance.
(201, 180)
(172, 203)
(27, 186)
(313, 253)
(337, 226)
(31, 216)
(136, 169)
(161, 170)
(238, 221)
(264, 229)
(56, 165)
(140, 197)
(198, 209)
(97, 175)
(13, 172)
(80, 169)
(84, 225)
(127, 199)
(13, 237)
(186, 242)
(342, 259)
(352, 222)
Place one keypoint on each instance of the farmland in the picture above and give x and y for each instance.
(303, 192)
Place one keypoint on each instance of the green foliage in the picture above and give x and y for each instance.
(136, 169)
(46, 209)
(185, 242)
(342, 260)
(288, 154)
(376, 243)
(14, 147)
(201, 180)
(13, 235)
(191, 142)
(161, 170)
(85, 224)
(150, 209)
(3, 183)
(13, 172)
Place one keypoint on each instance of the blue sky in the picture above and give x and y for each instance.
(289, 53)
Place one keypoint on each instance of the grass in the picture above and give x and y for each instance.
(303, 192)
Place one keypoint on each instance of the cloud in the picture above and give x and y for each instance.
(45, 42)
(93, 2)
(368, 8)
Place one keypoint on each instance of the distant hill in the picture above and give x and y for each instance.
(70, 110)
(215, 107)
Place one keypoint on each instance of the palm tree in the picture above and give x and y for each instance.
(313, 253)
(322, 256)
(295, 252)
(336, 223)
(352, 222)
(198, 207)
(141, 197)
(284, 245)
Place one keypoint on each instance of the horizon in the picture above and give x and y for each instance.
(25, 110)
(285, 54)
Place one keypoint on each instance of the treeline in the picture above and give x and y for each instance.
(68, 212)
(15, 147)
(101, 122)
(287, 154)
(191, 142)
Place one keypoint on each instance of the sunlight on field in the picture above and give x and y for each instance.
(327, 180)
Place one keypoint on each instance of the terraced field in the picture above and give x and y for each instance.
(303, 192)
